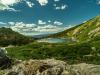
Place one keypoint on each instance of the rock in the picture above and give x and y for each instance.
(38, 67)
(85, 69)
(52, 67)
(5, 61)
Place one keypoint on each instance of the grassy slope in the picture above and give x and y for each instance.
(81, 32)
(73, 53)
(9, 37)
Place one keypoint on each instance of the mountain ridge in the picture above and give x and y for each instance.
(82, 32)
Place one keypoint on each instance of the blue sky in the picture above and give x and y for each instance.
(44, 14)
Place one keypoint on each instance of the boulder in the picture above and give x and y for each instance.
(5, 61)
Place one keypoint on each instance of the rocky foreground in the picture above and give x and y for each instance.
(51, 67)
(44, 67)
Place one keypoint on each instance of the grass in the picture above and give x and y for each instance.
(73, 53)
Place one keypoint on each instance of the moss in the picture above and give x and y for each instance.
(2, 72)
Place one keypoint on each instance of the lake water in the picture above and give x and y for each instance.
(54, 40)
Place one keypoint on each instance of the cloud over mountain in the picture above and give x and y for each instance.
(33, 28)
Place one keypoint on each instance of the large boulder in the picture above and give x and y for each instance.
(5, 61)
(38, 67)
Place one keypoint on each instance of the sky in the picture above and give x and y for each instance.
(32, 17)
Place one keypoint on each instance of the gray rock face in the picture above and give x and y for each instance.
(4, 60)
(52, 67)
(2, 52)
(85, 69)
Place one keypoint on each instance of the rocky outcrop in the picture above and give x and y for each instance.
(38, 67)
(85, 69)
(52, 67)
(5, 62)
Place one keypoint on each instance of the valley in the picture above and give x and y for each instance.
(75, 45)
(79, 44)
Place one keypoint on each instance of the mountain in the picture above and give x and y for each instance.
(85, 31)
(9, 37)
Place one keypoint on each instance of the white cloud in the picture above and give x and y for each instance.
(98, 2)
(61, 7)
(49, 21)
(2, 23)
(33, 29)
(48, 29)
(58, 23)
(41, 22)
(5, 4)
(11, 23)
(30, 4)
(43, 2)
(12, 9)
(56, 0)
(9, 2)
(20, 26)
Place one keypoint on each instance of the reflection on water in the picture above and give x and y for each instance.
(54, 40)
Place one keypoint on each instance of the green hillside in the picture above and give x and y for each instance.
(82, 32)
(9, 37)
(87, 52)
